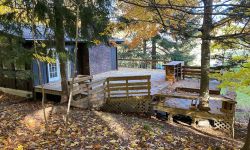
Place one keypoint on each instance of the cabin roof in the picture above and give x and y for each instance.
(42, 33)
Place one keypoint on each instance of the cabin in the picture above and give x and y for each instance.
(91, 60)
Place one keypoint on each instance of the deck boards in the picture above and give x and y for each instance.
(158, 83)
(186, 103)
(53, 88)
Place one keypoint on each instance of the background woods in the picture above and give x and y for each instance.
(183, 18)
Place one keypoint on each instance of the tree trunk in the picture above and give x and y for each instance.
(39, 65)
(247, 142)
(144, 47)
(74, 66)
(1, 73)
(153, 53)
(205, 55)
(60, 46)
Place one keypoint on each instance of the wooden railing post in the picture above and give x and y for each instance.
(149, 86)
(104, 91)
(13, 74)
(1, 74)
(88, 92)
(108, 89)
(127, 88)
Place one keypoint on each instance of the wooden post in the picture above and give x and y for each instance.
(193, 122)
(28, 80)
(89, 96)
(1, 73)
(149, 87)
(127, 88)
(45, 97)
(13, 70)
(247, 143)
(170, 118)
(108, 89)
(233, 120)
(104, 91)
(34, 95)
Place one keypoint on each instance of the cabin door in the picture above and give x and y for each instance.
(54, 70)
(83, 59)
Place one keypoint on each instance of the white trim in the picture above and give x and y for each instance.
(56, 76)
(69, 68)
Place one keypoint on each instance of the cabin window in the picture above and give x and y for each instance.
(53, 70)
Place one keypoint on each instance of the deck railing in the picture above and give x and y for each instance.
(128, 94)
(141, 63)
(88, 93)
(195, 71)
(127, 86)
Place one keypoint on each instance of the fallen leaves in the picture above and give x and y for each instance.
(19, 147)
(58, 132)
(74, 144)
(22, 128)
(97, 146)
(169, 138)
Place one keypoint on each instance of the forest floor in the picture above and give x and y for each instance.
(22, 127)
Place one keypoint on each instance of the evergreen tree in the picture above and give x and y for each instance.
(183, 17)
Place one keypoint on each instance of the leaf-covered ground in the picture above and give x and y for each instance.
(22, 127)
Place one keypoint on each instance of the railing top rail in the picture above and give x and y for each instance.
(142, 59)
(199, 67)
(128, 78)
(80, 78)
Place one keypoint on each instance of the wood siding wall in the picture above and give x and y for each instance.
(102, 58)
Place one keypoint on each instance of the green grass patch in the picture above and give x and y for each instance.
(243, 99)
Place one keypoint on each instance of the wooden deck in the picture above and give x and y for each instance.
(157, 77)
(158, 83)
(157, 80)
(53, 88)
(165, 96)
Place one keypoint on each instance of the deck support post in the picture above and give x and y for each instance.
(45, 97)
(104, 91)
(193, 123)
(34, 95)
(170, 118)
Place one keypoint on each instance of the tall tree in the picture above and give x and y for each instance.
(153, 53)
(33, 30)
(144, 46)
(74, 65)
(185, 16)
(205, 53)
(60, 45)
(247, 142)
(94, 16)
(178, 49)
